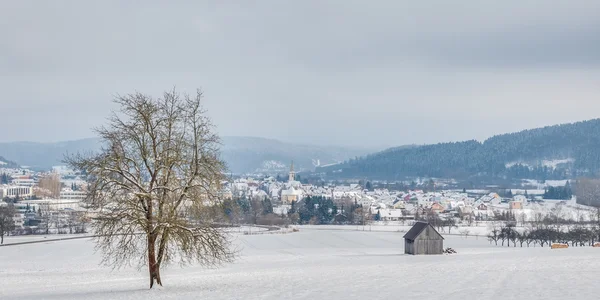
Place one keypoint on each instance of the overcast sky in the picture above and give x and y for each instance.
(321, 72)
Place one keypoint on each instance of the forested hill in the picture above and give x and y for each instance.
(552, 152)
(5, 163)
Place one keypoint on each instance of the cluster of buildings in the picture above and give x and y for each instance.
(32, 203)
(383, 204)
(390, 205)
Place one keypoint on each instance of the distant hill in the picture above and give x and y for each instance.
(42, 156)
(242, 154)
(252, 154)
(5, 163)
(552, 152)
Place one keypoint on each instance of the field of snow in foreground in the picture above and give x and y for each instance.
(312, 264)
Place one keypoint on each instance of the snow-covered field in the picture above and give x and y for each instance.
(35, 238)
(312, 264)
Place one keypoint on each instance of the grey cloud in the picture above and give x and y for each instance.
(342, 72)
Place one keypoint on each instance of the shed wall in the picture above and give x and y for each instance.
(428, 242)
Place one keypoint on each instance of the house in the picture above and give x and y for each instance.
(515, 205)
(465, 211)
(390, 214)
(437, 208)
(422, 238)
(399, 205)
(492, 198)
(520, 198)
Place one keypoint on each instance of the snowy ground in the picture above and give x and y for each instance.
(312, 264)
(42, 237)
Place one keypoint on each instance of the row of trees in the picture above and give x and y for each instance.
(311, 210)
(577, 236)
(441, 224)
(43, 221)
(560, 192)
(244, 210)
(320, 210)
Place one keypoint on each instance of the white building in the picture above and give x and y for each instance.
(72, 195)
(23, 181)
(11, 191)
(291, 194)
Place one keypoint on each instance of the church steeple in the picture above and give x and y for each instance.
(292, 173)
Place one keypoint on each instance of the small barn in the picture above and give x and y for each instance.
(422, 238)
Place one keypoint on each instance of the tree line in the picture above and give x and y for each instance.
(559, 192)
(578, 236)
(310, 210)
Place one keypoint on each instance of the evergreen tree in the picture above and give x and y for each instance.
(267, 206)
(244, 205)
(4, 179)
(292, 208)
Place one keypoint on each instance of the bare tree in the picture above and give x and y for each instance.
(45, 216)
(50, 183)
(494, 236)
(41, 193)
(521, 237)
(75, 222)
(256, 209)
(522, 218)
(159, 167)
(587, 191)
(7, 224)
(450, 223)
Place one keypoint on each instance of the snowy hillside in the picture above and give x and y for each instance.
(552, 152)
(311, 264)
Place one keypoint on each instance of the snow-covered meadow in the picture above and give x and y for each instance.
(311, 264)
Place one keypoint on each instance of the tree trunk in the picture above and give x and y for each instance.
(153, 266)
(1, 239)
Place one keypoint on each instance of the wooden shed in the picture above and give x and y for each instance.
(422, 238)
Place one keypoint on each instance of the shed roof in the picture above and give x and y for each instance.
(414, 232)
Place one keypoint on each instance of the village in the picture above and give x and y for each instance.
(383, 206)
(53, 203)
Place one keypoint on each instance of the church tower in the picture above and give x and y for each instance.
(292, 173)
